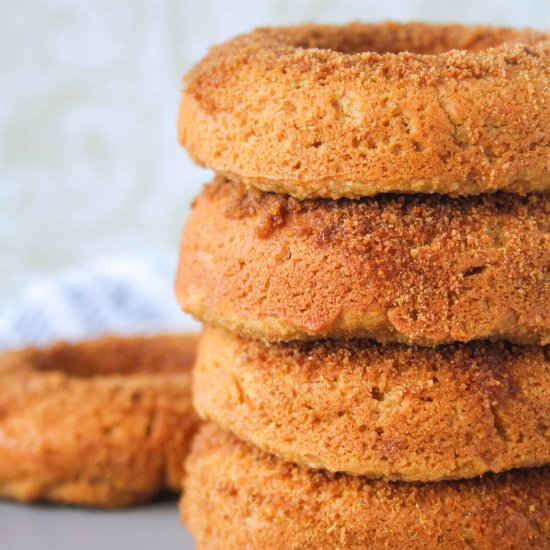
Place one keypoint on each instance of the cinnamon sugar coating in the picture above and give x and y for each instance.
(361, 109)
(103, 423)
(238, 497)
(384, 411)
(425, 270)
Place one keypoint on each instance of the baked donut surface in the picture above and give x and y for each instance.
(361, 109)
(384, 411)
(103, 422)
(424, 270)
(238, 497)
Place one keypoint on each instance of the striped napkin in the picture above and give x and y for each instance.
(126, 294)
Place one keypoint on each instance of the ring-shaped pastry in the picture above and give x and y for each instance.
(360, 109)
(410, 269)
(238, 497)
(103, 422)
(405, 413)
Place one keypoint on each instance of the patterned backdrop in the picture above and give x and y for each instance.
(89, 162)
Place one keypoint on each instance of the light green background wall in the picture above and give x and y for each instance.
(89, 163)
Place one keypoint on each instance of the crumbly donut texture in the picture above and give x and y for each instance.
(361, 109)
(384, 411)
(411, 269)
(237, 497)
(99, 423)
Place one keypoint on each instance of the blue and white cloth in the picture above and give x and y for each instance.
(126, 294)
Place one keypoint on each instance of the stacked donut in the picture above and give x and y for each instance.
(372, 265)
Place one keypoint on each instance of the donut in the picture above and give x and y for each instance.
(383, 411)
(361, 109)
(424, 270)
(103, 423)
(237, 497)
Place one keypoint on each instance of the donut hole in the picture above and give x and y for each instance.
(396, 38)
(117, 356)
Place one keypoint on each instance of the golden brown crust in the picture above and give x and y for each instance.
(425, 270)
(338, 111)
(238, 497)
(383, 411)
(98, 423)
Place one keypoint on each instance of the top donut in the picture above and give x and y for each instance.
(356, 110)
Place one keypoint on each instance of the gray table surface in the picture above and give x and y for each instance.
(155, 526)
